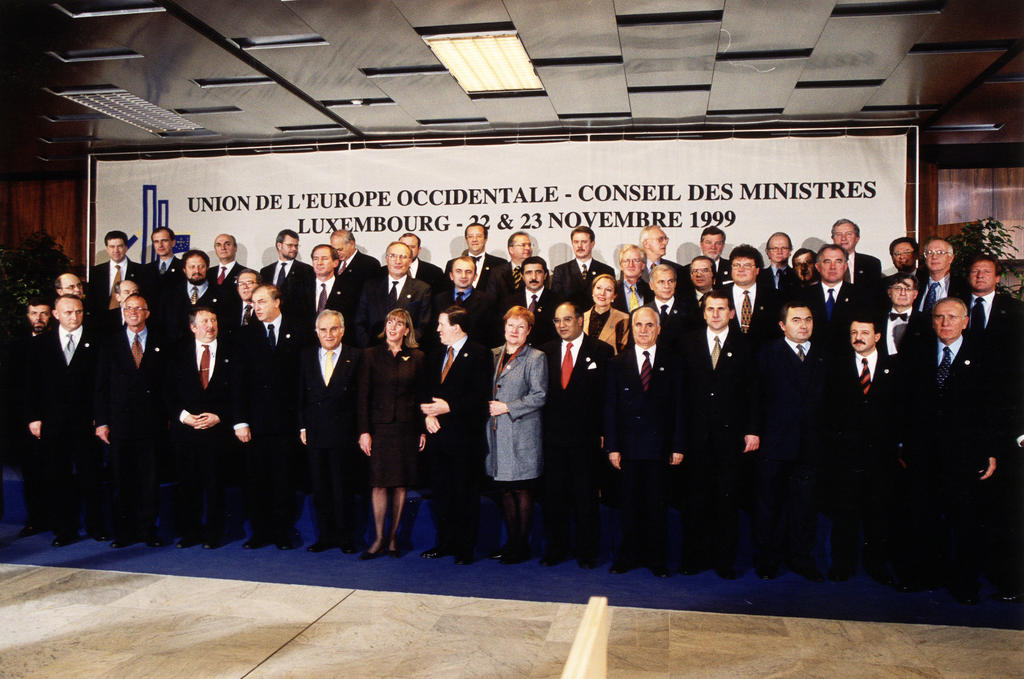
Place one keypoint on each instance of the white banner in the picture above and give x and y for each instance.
(748, 187)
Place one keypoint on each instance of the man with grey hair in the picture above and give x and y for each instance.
(935, 281)
(862, 270)
(354, 268)
(633, 290)
(327, 428)
(655, 243)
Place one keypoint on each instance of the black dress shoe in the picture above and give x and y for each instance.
(587, 564)
(284, 546)
(185, 543)
(767, 572)
(463, 560)
(100, 537)
(155, 542)
(368, 555)
(551, 560)
(968, 597)
(807, 571)
(320, 546)
(660, 572)
(839, 573)
(1007, 597)
(29, 530)
(498, 553)
(253, 543)
(119, 543)
(211, 545)
(619, 567)
(64, 540)
(393, 553)
(726, 572)
(348, 548)
(435, 552)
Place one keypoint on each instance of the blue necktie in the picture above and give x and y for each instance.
(943, 373)
(830, 304)
(271, 340)
(929, 301)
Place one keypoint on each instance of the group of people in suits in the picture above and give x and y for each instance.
(724, 385)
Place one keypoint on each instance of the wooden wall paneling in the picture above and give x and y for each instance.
(26, 209)
(6, 223)
(928, 200)
(1008, 201)
(964, 195)
(64, 217)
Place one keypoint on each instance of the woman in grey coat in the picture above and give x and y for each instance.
(514, 457)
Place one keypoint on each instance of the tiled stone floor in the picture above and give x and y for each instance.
(59, 622)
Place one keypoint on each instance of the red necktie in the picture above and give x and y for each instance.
(220, 277)
(865, 377)
(204, 367)
(137, 351)
(567, 366)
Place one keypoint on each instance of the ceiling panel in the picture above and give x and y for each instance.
(570, 29)
(630, 7)
(758, 25)
(864, 48)
(669, 54)
(446, 101)
(585, 89)
(662, 107)
(754, 84)
(828, 103)
(376, 119)
(517, 111)
(964, 20)
(931, 78)
(248, 19)
(454, 13)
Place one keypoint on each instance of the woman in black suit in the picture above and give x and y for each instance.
(390, 424)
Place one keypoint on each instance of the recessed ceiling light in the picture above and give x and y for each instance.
(238, 81)
(85, 9)
(486, 62)
(981, 127)
(126, 107)
(75, 56)
(267, 42)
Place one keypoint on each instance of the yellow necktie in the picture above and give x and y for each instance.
(634, 301)
(328, 367)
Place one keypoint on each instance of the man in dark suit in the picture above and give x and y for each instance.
(643, 425)
(862, 270)
(791, 372)
(422, 271)
(949, 455)
(712, 242)
(483, 323)
(287, 274)
(113, 320)
(996, 319)
(673, 313)
(577, 365)
(723, 424)
(701, 276)
(165, 271)
(833, 302)
(905, 254)
(507, 278)
(327, 406)
(100, 295)
(264, 384)
(459, 378)
(863, 387)
(779, 275)
(536, 297)
(224, 277)
(757, 306)
(324, 291)
(197, 390)
(240, 313)
(476, 244)
(654, 243)
(901, 324)
(188, 294)
(633, 291)
(354, 267)
(395, 290)
(572, 279)
(62, 364)
(935, 280)
(130, 418)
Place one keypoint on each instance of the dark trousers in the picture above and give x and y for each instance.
(332, 498)
(785, 521)
(860, 497)
(455, 480)
(33, 479)
(73, 464)
(133, 462)
(710, 511)
(644, 513)
(269, 496)
(570, 486)
(201, 483)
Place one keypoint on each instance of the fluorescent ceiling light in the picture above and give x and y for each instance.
(126, 107)
(493, 61)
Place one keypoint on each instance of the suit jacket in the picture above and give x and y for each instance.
(467, 390)
(958, 287)
(861, 429)
(162, 283)
(867, 271)
(487, 267)
(1003, 333)
(764, 321)
(484, 324)
(264, 381)
(374, 306)
(60, 394)
(567, 281)
(573, 415)
(391, 388)
(183, 390)
(918, 328)
(514, 440)
(295, 284)
(646, 275)
(644, 425)
(791, 395)
(622, 302)
(176, 306)
(128, 399)
(363, 268)
(501, 282)
(722, 404)
(834, 332)
(789, 282)
(98, 288)
(615, 332)
(432, 275)
(337, 300)
(543, 326)
(328, 411)
(228, 292)
(674, 327)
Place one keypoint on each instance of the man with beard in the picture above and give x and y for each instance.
(195, 291)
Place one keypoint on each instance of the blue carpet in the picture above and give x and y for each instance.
(789, 595)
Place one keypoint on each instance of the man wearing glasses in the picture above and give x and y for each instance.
(902, 325)
(395, 290)
(654, 243)
(779, 275)
(934, 281)
(507, 277)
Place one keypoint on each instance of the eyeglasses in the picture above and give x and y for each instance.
(937, 253)
(742, 266)
(135, 309)
(632, 261)
(781, 248)
(901, 289)
(901, 253)
(395, 255)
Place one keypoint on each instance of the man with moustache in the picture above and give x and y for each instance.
(482, 324)
(536, 297)
(572, 279)
(192, 292)
(702, 280)
(864, 404)
(287, 274)
(395, 290)
(577, 365)
(327, 407)
(791, 373)
(459, 387)
(476, 246)
(643, 434)
(265, 414)
(197, 390)
(130, 418)
(63, 366)
(723, 424)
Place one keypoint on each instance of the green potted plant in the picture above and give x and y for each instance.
(26, 271)
(987, 236)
